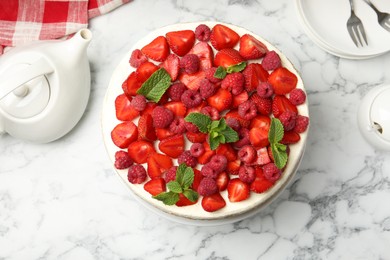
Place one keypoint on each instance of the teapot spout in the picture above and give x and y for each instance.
(79, 43)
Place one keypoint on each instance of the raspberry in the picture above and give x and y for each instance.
(190, 63)
(243, 134)
(207, 89)
(218, 163)
(212, 112)
(247, 154)
(288, 119)
(188, 159)
(136, 174)
(162, 117)
(233, 123)
(197, 149)
(247, 174)
(137, 58)
(191, 127)
(178, 126)
(271, 172)
(265, 90)
(271, 61)
(139, 103)
(210, 75)
(122, 160)
(202, 33)
(176, 90)
(297, 96)
(234, 82)
(191, 98)
(247, 110)
(170, 174)
(209, 172)
(301, 124)
(207, 187)
(263, 105)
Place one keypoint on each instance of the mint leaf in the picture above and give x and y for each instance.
(180, 173)
(276, 131)
(174, 186)
(229, 134)
(220, 73)
(236, 68)
(213, 142)
(280, 157)
(191, 195)
(156, 85)
(188, 178)
(168, 198)
(200, 120)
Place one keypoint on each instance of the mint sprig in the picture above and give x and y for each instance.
(219, 132)
(275, 135)
(222, 72)
(156, 85)
(181, 184)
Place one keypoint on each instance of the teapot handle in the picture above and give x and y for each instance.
(17, 79)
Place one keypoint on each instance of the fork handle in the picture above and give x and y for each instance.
(352, 5)
(371, 5)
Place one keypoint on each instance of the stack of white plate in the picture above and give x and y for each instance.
(325, 22)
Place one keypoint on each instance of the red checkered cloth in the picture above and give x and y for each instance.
(23, 21)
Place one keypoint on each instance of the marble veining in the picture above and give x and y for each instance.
(62, 200)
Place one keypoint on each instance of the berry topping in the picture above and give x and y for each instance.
(137, 58)
(212, 112)
(233, 123)
(157, 50)
(170, 174)
(136, 174)
(247, 154)
(177, 126)
(251, 48)
(265, 90)
(207, 187)
(162, 117)
(155, 186)
(124, 133)
(227, 58)
(146, 131)
(172, 66)
(202, 33)
(254, 74)
(237, 190)
(122, 160)
(207, 89)
(234, 82)
(221, 100)
(187, 158)
(243, 134)
(176, 90)
(223, 37)
(181, 42)
(247, 110)
(271, 172)
(191, 127)
(288, 120)
(139, 151)
(191, 98)
(210, 75)
(190, 63)
(139, 103)
(271, 61)
(301, 124)
(213, 203)
(209, 172)
(297, 96)
(172, 146)
(218, 163)
(247, 174)
(197, 149)
(282, 80)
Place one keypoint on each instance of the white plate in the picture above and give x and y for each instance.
(194, 214)
(325, 23)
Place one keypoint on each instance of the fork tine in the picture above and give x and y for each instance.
(362, 32)
(352, 34)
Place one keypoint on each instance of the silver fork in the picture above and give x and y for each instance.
(383, 18)
(355, 28)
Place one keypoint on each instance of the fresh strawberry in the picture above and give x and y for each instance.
(205, 54)
(146, 130)
(145, 70)
(198, 176)
(263, 105)
(139, 151)
(260, 184)
(123, 110)
(181, 42)
(221, 100)
(183, 201)
(234, 114)
(228, 151)
(262, 156)
(237, 190)
(192, 81)
(206, 156)
(283, 80)
(251, 48)
(158, 164)
(281, 104)
(222, 181)
(261, 121)
(240, 98)
(223, 37)
(149, 108)
(213, 202)
(227, 58)
(290, 137)
(177, 107)
(163, 133)
(254, 74)
(196, 109)
(155, 186)
(124, 133)
(157, 50)
(131, 85)
(259, 137)
(172, 146)
(196, 137)
(233, 167)
(172, 66)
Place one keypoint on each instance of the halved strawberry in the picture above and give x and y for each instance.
(281, 104)
(163, 133)
(155, 186)
(177, 107)
(221, 100)
(213, 202)
(146, 130)
(192, 81)
(172, 66)
(131, 85)
(240, 98)
(123, 110)
(254, 74)
(196, 137)
(233, 167)
(234, 114)
(251, 48)
(222, 181)
(205, 54)
(260, 184)
(172, 146)
(198, 176)
(158, 164)
(262, 157)
(258, 137)
(181, 42)
(139, 151)
(145, 70)
(261, 121)
(157, 50)
(237, 190)
(290, 137)
(124, 134)
(196, 109)
(228, 151)
(223, 37)
(227, 58)
(183, 201)
(263, 105)
(282, 80)
(208, 153)
(150, 106)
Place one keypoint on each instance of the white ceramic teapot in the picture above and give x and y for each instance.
(44, 88)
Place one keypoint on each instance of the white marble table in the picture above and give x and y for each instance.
(62, 200)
